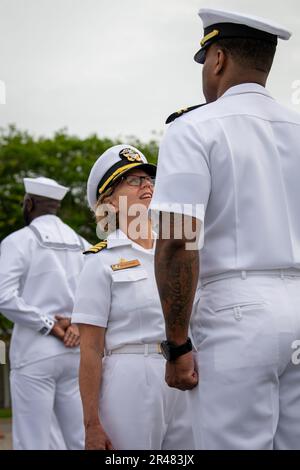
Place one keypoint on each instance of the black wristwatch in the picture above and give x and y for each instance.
(171, 352)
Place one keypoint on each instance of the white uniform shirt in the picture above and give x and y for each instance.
(125, 302)
(39, 270)
(240, 158)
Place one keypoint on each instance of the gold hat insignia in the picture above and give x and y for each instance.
(130, 155)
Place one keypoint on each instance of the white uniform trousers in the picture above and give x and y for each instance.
(248, 395)
(57, 441)
(138, 410)
(38, 390)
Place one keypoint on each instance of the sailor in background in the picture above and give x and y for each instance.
(238, 157)
(118, 311)
(39, 268)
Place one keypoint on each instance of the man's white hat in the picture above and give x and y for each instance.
(45, 187)
(220, 24)
(111, 166)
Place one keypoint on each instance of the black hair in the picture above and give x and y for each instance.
(250, 53)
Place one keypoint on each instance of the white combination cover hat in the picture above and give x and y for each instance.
(111, 166)
(45, 187)
(221, 24)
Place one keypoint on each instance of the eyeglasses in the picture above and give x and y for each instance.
(133, 180)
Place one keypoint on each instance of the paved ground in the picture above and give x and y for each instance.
(5, 434)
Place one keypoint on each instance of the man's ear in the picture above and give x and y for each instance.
(221, 59)
(29, 204)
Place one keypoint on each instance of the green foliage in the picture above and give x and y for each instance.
(5, 328)
(5, 413)
(65, 158)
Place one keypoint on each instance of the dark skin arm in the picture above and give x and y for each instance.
(59, 329)
(177, 271)
(91, 351)
(71, 337)
(65, 331)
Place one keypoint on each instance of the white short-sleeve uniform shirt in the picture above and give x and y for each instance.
(125, 302)
(238, 157)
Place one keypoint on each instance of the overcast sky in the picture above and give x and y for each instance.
(117, 67)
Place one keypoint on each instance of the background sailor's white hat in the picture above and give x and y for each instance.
(220, 24)
(45, 187)
(111, 166)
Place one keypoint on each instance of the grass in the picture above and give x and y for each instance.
(5, 413)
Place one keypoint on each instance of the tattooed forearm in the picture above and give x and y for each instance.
(176, 271)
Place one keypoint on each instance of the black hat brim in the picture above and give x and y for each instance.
(147, 167)
(199, 57)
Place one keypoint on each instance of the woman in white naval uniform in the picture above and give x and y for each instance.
(118, 310)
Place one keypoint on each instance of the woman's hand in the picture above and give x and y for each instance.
(96, 438)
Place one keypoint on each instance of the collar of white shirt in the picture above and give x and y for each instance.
(246, 88)
(50, 229)
(119, 238)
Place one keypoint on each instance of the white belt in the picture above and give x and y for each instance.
(282, 273)
(145, 349)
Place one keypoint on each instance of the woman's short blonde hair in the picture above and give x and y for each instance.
(106, 219)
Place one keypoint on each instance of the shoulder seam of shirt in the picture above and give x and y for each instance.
(188, 119)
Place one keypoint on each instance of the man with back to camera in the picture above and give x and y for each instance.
(237, 158)
(39, 268)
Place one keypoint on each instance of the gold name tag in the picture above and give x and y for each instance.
(125, 265)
